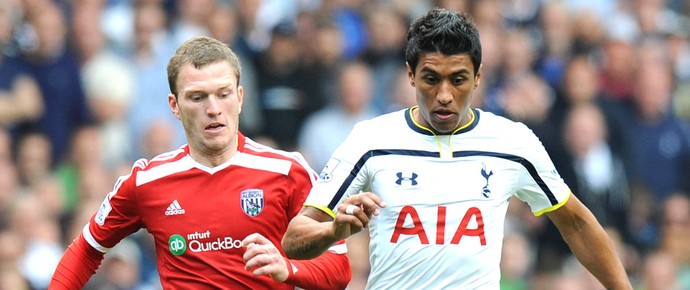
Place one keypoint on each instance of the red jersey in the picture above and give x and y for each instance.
(198, 215)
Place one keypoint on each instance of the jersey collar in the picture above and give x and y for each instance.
(426, 131)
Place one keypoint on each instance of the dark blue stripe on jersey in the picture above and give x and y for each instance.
(373, 153)
(524, 162)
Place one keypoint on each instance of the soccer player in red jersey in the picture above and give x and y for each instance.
(218, 205)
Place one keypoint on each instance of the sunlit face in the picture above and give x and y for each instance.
(444, 86)
(209, 104)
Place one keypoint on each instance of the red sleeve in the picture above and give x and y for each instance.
(331, 270)
(303, 178)
(76, 266)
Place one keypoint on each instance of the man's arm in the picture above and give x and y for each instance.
(590, 244)
(330, 270)
(23, 102)
(313, 231)
(76, 266)
(309, 234)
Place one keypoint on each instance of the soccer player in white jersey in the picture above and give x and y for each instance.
(432, 182)
(217, 206)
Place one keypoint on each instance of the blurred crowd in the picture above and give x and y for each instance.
(605, 84)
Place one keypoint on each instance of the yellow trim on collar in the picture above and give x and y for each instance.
(415, 107)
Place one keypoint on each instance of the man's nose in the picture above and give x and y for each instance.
(444, 95)
(213, 106)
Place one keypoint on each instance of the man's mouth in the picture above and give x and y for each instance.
(214, 126)
(443, 114)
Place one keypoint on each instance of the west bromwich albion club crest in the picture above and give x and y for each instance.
(252, 201)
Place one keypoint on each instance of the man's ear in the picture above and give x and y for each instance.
(174, 107)
(410, 74)
(478, 77)
(240, 98)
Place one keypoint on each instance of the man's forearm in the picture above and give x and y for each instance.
(306, 238)
(594, 250)
(79, 262)
(328, 271)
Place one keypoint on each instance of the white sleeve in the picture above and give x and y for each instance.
(344, 174)
(540, 184)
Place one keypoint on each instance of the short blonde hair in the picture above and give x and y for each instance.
(200, 51)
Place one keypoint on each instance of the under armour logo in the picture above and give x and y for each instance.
(485, 191)
(401, 178)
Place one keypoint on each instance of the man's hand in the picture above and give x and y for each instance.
(264, 258)
(355, 212)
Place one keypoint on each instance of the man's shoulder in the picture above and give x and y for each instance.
(164, 164)
(383, 122)
(269, 155)
(498, 124)
(163, 158)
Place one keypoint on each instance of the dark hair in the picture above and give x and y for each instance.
(200, 51)
(445, 31)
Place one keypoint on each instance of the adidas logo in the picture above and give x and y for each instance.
(174, 208)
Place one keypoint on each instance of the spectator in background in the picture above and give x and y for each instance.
(108, 81)
(191, 18)
(85, 157)
(286, 90)
(655, 18)
(517, 262)
(387, 30)
(151, 48)
(529, 99)
(680, 51)
(659, 141)
(401, 94)
(349, 18)
(660, 272)
(11, 250)
(39, 232)
(675, 234)
(490, 89)
(617, 69)
(33, 156)
(10, 188)
(20, 97)
(158, 138)
(56, 70)
(324, 130)
(580, 85)
(5, 146)
(600, 178)
(588, 33)
(519, 51)
(556, 35)
(12, 278)
(120, 269)
(322, 53)
(251, 34)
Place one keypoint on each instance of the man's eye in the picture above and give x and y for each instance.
(430, 79)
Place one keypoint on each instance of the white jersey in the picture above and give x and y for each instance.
(447, 196)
